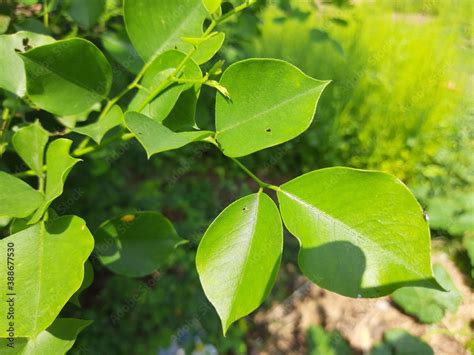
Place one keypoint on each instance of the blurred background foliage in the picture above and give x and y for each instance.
(400, 101)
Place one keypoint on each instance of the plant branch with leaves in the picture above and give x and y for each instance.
(361, 233)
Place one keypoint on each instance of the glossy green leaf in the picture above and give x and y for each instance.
(429, 306)
(157, 138)
(155, 26)
(97, 130)
(362, 233)
(12, 69)
(239, 256)
(136, 244)
(59, 164)
(48, 268)
(67, 77)
(86, 12)
(86, 282)
(212, 5)
(29, 142)
(271, 101)
(119, 47)
(57, 339)
(161, 68)
(17, 198)
(208, 48)
(399, 342)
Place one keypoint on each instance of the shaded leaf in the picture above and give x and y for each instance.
(86, 282)
(120, 48)
(362, 233)
(429, 306)
(57, 339)
(158, 72)
(157, 138)
(59, 164)
(239, 256)
(137, 244)
(86, 13)
(271, 101)
(17, 198)
(29, 142)
(67, 77)
(399, 342)
(49, 267)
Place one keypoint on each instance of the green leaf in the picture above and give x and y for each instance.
(30, 142)
(97, 130)
(212, 5)
(157, 138)
(321, 342)
(399, 342)
(468, 242)
(67, 77)
(137, 244)
(209, 48)
(17, 198)
(59, 164)
(12, 69)
(57, 339)
(155, 26)
(429, 306)
(183, 115)
(271, 101)
(86, 13)
(362, 233)
(239, 256)
(158, 72)
(48, 268)
(119, 47)
(86, 282)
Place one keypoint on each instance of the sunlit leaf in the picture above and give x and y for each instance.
(57, 339)
(12, 69)
(48, 267)
(17, 198)
(270, 100)
(155, 26)
(67, 77)
(136, 244)
(239, 256)
(29, 142)
(362, 233)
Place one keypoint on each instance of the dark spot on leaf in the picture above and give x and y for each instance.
(268, 130)
(245, 209)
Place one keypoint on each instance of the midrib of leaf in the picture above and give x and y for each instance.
(245, 259)
(174, 34)
(40, 274)
(67, 78)
(355, 232)
(271, 109)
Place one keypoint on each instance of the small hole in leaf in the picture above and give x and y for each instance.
(268, 130)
